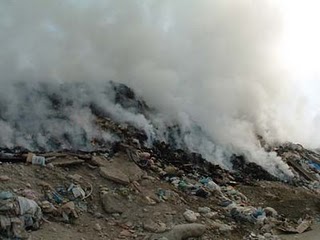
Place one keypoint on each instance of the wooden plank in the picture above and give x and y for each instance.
(303, 172)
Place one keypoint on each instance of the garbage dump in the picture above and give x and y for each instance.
(133, 190)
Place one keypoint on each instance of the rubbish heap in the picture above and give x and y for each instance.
(130, 190)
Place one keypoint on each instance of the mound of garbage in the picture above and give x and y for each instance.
(129, 189)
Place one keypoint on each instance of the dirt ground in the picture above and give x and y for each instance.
(141, 205)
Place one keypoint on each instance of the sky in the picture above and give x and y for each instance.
(299, 48)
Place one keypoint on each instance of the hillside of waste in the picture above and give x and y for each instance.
(128, 181)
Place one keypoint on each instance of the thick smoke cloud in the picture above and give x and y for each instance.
(209, 66)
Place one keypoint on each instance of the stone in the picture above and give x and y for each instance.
(211, 215)
(125, 233)
(270, 212)
(97, 227)
(171, 170)
(154, 227)
(190, 216)
(4, 178)
(204, 210)
(50, 166)
(112, 203)
(145, 155)
(221, 227)
(183, 231)
(114, 175)
(75, 177)
(121, 170)
(98, 161)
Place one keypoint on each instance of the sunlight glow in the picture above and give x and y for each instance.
(300, 46)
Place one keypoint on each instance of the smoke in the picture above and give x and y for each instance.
(209, 66)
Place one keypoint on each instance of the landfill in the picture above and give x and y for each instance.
(132, 190)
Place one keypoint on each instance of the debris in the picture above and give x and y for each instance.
(4, 195)
(190, 216)
(30, 211)
(48, 207)
(246, 171)
(247, 214)
(221, 226)
(112, 203)
(67, 162)
(210, 215)
(97, 227)
(68, 211)
(116, 172)
(30, 194)
(302, 171)
(183, 231)
(155, 227)
(270, 212)
(18, 214)
(125, 233)
(98, 161)
(11, 158)
(303, 226)
(204, 210)
(36, 160)
(4, 178)
(75, 177)
(114, 175)
(77, 191)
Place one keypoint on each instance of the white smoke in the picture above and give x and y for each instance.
(207, 65)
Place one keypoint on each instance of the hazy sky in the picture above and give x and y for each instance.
(300, 45)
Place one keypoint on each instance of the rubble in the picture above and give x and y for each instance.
(130, 189)
(114, 174)
(190, 216)
(112, 203)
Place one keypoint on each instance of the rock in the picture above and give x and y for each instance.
(171, 170)
(154, 227)
(97, 227)
(75, 177)
(125, 233)
(69, 209)
(267, 235)
(121, 170)
(65, 162)
(190, 216)
(98, 161)
(221, 227)
(4, 178)
(183, 231)
(114, 175)
(145, 155)
(204, 210)
(112, 203)
(270, 212)
(210, 215)
(50, 166)
(98, 215)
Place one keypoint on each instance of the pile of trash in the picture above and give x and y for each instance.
(18, 214)
(207, 196)
(188, 175)
(304, 163)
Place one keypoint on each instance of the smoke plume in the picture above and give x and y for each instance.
(208, 66)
